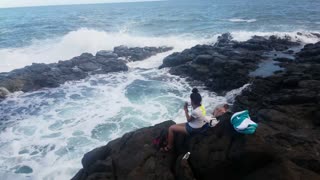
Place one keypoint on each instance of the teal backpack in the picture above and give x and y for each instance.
(242, 123)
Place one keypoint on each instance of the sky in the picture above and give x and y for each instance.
(24, 3)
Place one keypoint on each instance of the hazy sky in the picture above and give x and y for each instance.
(21, 3)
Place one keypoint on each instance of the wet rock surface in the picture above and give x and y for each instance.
(226, 64)
(285, 146)
(287, 106)
(37, 76)
(130, 157)
(138, 54)
(310, 53)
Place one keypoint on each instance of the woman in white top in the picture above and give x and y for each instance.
(197, 122)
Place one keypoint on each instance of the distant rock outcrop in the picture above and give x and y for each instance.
(138, 54)
(225, 65)
(38, 76)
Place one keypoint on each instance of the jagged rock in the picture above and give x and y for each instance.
(203, 59)
(282, 170)
(258, 43)
(106, 54)
(288, 105)
(221, 153)
(138, 54)
(37, 76)
(227, 64)
(130, 157)
(176, 59)
(183, 171)
(3, 92)
(310, 53)
(286, 144)
(88, 66)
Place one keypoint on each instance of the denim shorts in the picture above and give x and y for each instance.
(192, 130)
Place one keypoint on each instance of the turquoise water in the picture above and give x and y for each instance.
(44, 134)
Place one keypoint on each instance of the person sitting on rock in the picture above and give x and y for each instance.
(197, 122)
(221, 121)
(220, 110)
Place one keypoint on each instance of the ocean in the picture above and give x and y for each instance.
(44, 134)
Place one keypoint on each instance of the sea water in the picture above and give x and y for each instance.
(44, 134)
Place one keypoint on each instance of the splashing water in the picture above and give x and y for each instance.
(89, 40)
(83, 40)
(45, 133)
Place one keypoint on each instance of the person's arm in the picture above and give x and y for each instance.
(186, 111)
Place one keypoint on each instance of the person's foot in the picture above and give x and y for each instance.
(166, 149)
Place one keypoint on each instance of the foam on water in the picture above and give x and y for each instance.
(44, 134)
(89, 40)
(50, 130)
(83, 40)
(242, 20)
(298, 36)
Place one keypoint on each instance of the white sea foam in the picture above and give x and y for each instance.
(50, 130)
(89, 40)
(83, 40)
(242, 20)
(305, 36)
(231, 95)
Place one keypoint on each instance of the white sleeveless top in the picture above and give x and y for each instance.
(199, 115)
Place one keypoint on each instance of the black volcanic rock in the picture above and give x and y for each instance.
(288, 104)
(138, 54)
(221, 152)
(226, 65)
(258, 43)
(37, 76)
(130, 157)
(107, 54)
(310, 53)
(285, 146)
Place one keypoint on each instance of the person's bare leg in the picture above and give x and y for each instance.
(177, 128)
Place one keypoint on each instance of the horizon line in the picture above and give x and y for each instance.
(72, 4)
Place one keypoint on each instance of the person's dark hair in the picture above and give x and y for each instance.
(195, 97)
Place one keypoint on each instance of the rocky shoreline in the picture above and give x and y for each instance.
(286, 105)
(37, 76)
(227, 64)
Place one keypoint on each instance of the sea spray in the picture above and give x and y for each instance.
(87, 40)
(50, 130)
(84, 40)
